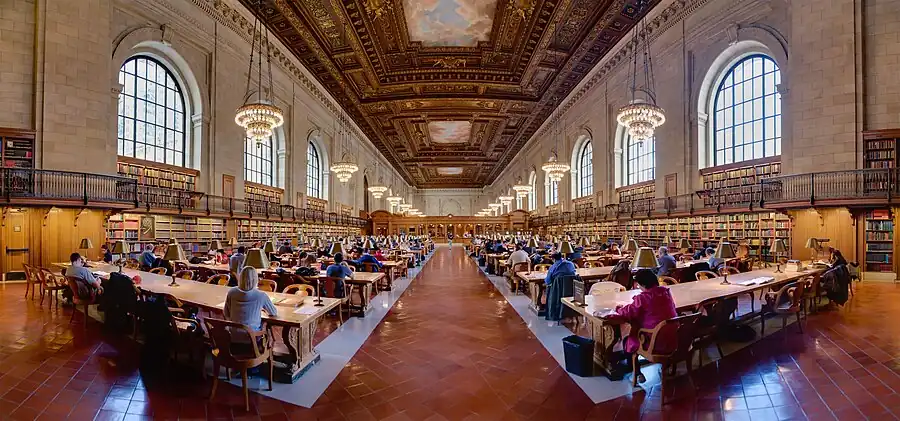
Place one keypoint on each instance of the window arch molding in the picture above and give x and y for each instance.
(314, 138)
(532, 197)
(719, 69)
(582, 184)
(145, 41)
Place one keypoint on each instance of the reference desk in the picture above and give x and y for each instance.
(298, 316)
(687, 297)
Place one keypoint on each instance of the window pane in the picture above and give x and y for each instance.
(752, 117)
(146, 116)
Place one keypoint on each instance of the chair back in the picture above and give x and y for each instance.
(300, 289)
(132, 264)
(184, 274)
(520, 267)
(49, 278)
(541, 267)
(678, 330)
(268, 285)
(158, 271)
(73, 286)
(667, 280)
(220, 279)
(595, 264)
(579, 262)
(703, 275)
(606, 287)
(274, 265)
(369, 267)
(179, 266)
(330, 285)
(221, 334)
(814, 285)
(716, 311)
(728, 270)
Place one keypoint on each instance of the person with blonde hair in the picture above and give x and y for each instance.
(244, 302)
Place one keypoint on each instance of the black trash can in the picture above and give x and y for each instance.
(579, 354)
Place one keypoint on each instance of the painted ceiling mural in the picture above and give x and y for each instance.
(438, 84)
(459, 23)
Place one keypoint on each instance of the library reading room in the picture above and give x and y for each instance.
(450, 210)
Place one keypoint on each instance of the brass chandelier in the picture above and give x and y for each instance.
(344, 168)
(641, 117)
(259, 117)
(555, 169)
(522, 190)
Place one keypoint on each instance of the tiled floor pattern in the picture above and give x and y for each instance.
(453, 349)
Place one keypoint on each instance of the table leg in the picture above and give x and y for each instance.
(536, 290)
(301, 354)
(363, 299)
(606, 337)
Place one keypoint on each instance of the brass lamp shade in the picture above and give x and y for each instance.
(215, 245)
(173, 240)
(667, 240)
(256, 258)
(119, 247)
(724, 251)
(368, 244)
(812, 243)
(684, 244)
(625, 240)
(584, 242)
(336, 248)
(86, 244)
(566, 248)
(317, 243)
(723, 240)
(233, 242)
(644, 259)
(174, 252)
(269, 247)
(778, 246)
(532, 243)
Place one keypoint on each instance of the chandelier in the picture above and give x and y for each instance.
(641, 116)
(393, 200)
(344, 169)
(505, 200)
(405, 207)
(379, 189)
(495, 207)
(522, 190)
(259, 117)
(555, 170)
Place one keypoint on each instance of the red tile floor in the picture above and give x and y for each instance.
(452, 349)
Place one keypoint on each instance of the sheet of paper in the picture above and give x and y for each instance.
(102, 274)
(306, 310)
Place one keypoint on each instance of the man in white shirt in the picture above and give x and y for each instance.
(518, 256)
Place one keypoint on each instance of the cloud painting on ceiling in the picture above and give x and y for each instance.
(458, 131)
(449, 23)
(449, 170)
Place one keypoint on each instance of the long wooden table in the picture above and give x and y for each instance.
(537, 287)
(687, 297)
(298, 316)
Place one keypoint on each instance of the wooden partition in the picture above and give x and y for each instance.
(839, 225)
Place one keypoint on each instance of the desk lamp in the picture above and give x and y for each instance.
(367, 245)
(336, 248)
(174, 252)
(85, 245)
(813, 244)
(317, 243)
(644, 259)
(777, 248)
(532, 242)
(215, 245)
(584, 242)
(724, 252)
(566, 248)
(684, 245)
(666, 241)
(120, 248)
(269, 247)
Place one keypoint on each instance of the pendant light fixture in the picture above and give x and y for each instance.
(344, 168)
(378, 190)
(555, 170)
(506, 199)
(259, 117)
(522, 190)
(641, 116)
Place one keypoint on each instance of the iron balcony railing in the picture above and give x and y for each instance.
(863, 185)
(65, 186)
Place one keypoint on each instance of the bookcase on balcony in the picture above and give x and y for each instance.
(736, 183)
(646, 190)
(158, 183)
(880, 148)
(261, 193)
(16, 148)
(138, 230)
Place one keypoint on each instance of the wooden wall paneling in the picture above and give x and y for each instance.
(61, 231)
(14, 235)
(228, 185)
(837, 224)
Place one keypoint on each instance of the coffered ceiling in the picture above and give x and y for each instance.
(449, 90)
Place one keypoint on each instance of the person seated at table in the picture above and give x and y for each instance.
(236, 263)
(666, 262)
(499, 247)
(368, 258)
(307, 259)
(286, 248)
(379, 255)
(604, 247)
(244, 303)
(340, 270)
(714, 262)
(561, 268)
(88, 284)
(147, 257)
(837, 258)
(653, 305)
(221, 257)
(577, 254)
(106, 254)
(518, 256)
(614, 249)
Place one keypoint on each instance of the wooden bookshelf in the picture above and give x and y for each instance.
(316, 204)
(880, 148)
(646, 190)
(739, 181)
(139, 230)
(153, 174)
(16, 148)
(879, 241)
(583, 203)
(261, 193)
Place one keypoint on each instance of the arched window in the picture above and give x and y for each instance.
(151, 113)
(585, 168)
(258, 167)
(313, 172)
(640, 160)
(747, 112)
(532, 197)
(551, 190)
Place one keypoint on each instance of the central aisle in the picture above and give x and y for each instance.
(453, 346)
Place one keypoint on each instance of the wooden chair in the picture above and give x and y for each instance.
(681, 328)
(72, 282)
(223, 355)
(853, 268)
(268, 285)
(579, 262)
(274, 265)
(220, 279)
(729, 270)
(32, 282)
(187, 331)
(703, 275)
(53, 285)
(514, 280)
(606, 287)
(132, 264)
(595, 264)
(813, 293)
(370, 267)
(329, 284)
(667, 280)
(715, 314)
(158, 271)
(541, 267)
(185, 274)
(179, 266)
(787, 301)
(303, 290)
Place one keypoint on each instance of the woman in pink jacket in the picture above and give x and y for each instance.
(653, 305)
